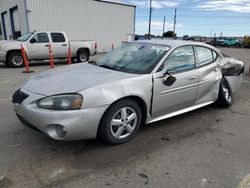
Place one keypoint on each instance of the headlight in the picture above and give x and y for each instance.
(61, 102)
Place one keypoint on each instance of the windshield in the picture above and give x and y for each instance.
(25, 37)
(136, 58)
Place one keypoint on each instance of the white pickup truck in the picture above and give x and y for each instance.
(36, 45)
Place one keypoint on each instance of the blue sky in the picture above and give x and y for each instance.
(195, 17)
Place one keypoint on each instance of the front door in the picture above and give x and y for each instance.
(182, 93)
(38, 47)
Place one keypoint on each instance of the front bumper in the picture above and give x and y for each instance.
(79, 124)
(2, 56)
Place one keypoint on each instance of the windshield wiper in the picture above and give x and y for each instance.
(107, 67)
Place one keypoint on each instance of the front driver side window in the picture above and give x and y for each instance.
(181, 59)
(41, 38)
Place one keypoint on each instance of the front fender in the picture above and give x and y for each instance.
(140, 86)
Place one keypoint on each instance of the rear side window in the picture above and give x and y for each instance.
(215, 55)
(57, 37)
(181, 59)
(205, 56)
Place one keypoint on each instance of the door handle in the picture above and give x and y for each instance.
(64, 45)
(193, 78)
(46, 45)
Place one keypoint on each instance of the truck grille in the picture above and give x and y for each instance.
(19, 97)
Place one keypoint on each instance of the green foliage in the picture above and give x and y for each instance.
(169, 34)
(246, 42)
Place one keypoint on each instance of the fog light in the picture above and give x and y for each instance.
(56, 131)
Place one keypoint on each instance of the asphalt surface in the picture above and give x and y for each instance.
(209, 147)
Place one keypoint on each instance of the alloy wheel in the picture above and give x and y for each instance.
(83, 57)
(17, 60)
(123, 123)
(227, 93)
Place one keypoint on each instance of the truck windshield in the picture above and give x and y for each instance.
(135, 58)
(25, 37)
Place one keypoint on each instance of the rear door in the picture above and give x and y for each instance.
(182, 94)
(38, 46)
(59, 45)
(209, 74)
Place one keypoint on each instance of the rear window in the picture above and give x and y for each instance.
(57, 37)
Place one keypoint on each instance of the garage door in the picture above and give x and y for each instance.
(16, 20)
(7, 25)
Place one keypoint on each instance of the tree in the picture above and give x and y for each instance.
(169, 34)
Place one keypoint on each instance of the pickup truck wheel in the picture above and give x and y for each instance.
(73, 59)
(15, 60)
(82, 56)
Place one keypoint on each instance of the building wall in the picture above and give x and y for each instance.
(106, 23)
(6, 5)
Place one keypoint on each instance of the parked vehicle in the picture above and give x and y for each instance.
(198, 39)
(137, 83)
(36, 45)
(228, 42)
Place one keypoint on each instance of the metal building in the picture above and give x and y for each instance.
(106, 21)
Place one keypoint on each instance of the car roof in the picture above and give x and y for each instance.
(175, 43)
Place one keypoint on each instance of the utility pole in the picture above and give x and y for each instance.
(149, 24)
(163, 31)
(175, 11)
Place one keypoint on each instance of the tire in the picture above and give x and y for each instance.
(123, 129)
(82, 56)
(5, 63)
(73, 59)
(225, 98)
(15, 60)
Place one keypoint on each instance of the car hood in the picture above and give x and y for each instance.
(72, 78)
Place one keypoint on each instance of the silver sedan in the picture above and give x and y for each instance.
(137, 83)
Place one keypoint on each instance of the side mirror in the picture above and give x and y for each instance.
(168, 79)
(33, 40)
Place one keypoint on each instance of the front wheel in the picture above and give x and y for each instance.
(120, 122)
(225, 98)
(82, 56)
(15, 60)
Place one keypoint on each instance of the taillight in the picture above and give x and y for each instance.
(95, 45)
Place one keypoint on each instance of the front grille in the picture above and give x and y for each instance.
(19, 97)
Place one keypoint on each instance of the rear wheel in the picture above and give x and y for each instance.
(120, 122)
(225, 98)
(82, 56)
(15, 60)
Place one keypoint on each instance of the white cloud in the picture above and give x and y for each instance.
(242, 6)
(156, 4)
